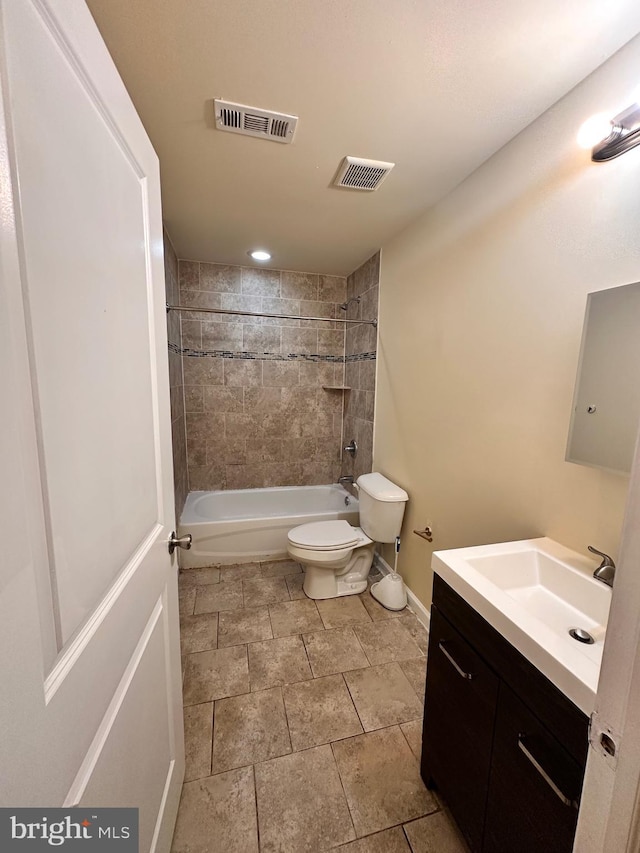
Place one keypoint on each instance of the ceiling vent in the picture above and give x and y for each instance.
(358, 174)
(250, 121)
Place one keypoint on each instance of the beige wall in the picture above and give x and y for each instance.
(481, 308)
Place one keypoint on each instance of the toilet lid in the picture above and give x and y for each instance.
(324, 535)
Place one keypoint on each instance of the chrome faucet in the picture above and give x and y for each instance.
(347, 479)
(606, 571)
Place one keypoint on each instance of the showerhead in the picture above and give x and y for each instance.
(346, 304)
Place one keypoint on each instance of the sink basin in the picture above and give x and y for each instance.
(534, 592)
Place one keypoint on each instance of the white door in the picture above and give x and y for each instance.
(90, 710)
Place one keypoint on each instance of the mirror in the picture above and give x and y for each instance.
(606, 402)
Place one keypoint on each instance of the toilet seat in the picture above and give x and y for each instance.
(327, 536)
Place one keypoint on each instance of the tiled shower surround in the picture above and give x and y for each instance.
(257, 411)
(176, 387)
(360, 366)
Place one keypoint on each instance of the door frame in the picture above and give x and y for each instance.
(610, 809)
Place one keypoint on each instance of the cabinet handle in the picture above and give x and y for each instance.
(456, 666)
(545, 775)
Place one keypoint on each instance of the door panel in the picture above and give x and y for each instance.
(87, 304)
(90, 709)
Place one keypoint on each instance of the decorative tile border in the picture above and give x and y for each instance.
(271, 356)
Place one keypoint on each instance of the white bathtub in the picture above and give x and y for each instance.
(252, 524)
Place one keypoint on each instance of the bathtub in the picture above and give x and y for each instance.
(242, 525)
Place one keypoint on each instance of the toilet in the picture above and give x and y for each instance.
(336, 556)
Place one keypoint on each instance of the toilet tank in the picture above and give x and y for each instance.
(382, 506)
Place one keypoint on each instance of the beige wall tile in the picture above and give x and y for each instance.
(281, 374)
(222, 399)
(330, 342)
(332, 288)
(189, 274)
(303, 341)
(202, 371)
(221, 336)
(192, 334)
(242, 372)
(260, 282)
(220, 278)
(281, 306)
(262, 339)
(299, 285)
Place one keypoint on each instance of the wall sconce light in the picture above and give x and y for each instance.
(610, 137)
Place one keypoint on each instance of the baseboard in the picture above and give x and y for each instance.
(422, 614)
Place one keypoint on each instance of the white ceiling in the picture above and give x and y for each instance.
(435, 86)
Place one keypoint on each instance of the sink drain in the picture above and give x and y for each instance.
(581, 635)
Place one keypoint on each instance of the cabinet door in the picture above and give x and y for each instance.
(535, 785)
(459, 716)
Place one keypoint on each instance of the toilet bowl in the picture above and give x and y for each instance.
(337, 557)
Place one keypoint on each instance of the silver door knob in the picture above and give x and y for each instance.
(182, 542)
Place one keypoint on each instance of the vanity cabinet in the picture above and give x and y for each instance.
(506, 748)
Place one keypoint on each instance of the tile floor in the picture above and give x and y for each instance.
(303, 720)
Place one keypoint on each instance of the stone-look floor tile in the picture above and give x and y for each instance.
(416, 629)
(295, 617)
(219, 596)
(258, 592)
(416, 671)
(382, 781)
(216, 674)
(239, 572)
(276, 662)
(386, 641)
(198, 633)
(248, 729)
(320, 711)
(383, 696)
(301, 804)
(413, 733)
(280, 568)
(436, 833)
(389, 841)
(243, 626)
(218, 813)
(345, 610)
(294, 585)
(375, 610)
(198, 729)
(186, 601)
(334, 651)
(199, 577)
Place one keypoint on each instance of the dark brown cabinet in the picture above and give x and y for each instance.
(506, 748)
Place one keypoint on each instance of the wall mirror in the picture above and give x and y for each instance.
(606, 402)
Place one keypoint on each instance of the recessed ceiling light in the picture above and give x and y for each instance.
(259, 255)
